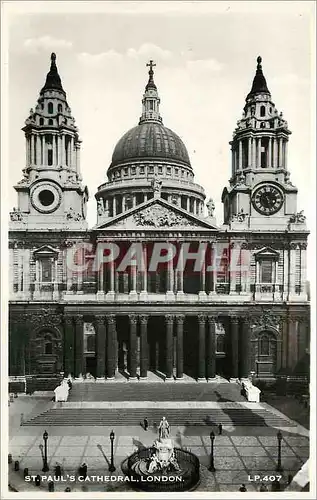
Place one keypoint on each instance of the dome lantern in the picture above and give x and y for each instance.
(151, 100)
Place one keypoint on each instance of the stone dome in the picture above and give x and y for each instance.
(147, 141)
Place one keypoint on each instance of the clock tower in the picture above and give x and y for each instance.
(261, 194)
(50, 194)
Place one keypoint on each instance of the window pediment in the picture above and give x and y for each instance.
(266, 253)
(45, 251)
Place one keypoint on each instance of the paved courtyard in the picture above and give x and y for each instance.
(240, 453)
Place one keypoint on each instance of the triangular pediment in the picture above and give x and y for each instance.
(45, 251)
(266, 252)
(156, 213)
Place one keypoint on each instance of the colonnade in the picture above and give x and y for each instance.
(247, 152)
(120, 203)
(65, 151)
(138, 357)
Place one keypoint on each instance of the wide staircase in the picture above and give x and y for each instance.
(92, 404)
(238, 416)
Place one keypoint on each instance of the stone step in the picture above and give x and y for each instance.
(142, 391)
(176, 417)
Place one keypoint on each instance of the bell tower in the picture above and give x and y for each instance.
(51, 194)
(261, 195)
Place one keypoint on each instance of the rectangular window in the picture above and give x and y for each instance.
(46, 270)
(89, 338)
(50, 157)
(220, 343)
(267, 271)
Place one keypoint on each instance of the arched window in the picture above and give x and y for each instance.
(41, 121)
(264, 347)
(50, 108)
(60, 108)
(262, 111)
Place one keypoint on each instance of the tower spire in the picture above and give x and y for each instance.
(151, 100)
(53, 80)
(259, 85)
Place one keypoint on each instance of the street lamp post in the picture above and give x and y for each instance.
(45, 465)
(279, 442)
(212, 466)
(111, 466)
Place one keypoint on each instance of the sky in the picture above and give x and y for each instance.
(205, 56)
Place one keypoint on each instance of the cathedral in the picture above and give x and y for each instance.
(205, 300)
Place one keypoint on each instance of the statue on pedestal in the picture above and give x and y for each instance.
(163, 460)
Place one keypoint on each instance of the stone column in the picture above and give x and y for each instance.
(232, 162)
(143, 294)
(280, 153)
(133, 291)
(59, 150)
(114, 206)
(274, 152)
(234, 326)
(169, 345)
(27, 152)
(101, 287)
(213, 264)
(259, 146)
(78, 158)
(202, 291)
(111, 346)
(63, 152)
(211, 346)
(79, 346)
(303, 269)
(101, 345)
(133, 346)
(285, 154)
(249, 152)
(111, 293)
(240, 155)
(32, 150)
(55, 293)
(144, 357)
(245, 349)
(187, 203)
(37, 275)
(180, 273)
(170, 275)
(180, 346)
(254, 152)
(54, 149)
(292, 268)
(69, 346)
(133, 201)
(202, 347)
(269, 156)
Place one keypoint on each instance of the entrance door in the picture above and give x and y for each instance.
(266, 355)
(91, 365)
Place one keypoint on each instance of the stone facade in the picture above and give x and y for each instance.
(247, 314)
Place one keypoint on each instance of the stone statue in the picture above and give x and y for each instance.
(100, 206)
(164, 429)
(298, 218)
(210, 207)
(16, 215)
(72, 215)
(240, 178)
(156, 186)
(239, 217)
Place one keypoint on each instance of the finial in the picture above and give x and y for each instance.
(151, 83)
(259, 59)
(53, 56)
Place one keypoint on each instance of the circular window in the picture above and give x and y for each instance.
(46, 197)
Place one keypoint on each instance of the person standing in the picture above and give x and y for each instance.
(145, 424)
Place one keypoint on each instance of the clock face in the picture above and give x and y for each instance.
(267, 199)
